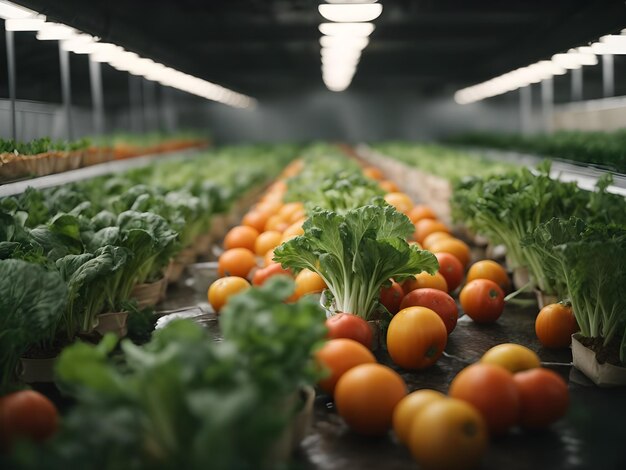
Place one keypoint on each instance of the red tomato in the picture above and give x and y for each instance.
(26, 414)
(339, 356)
(482, 300)
(346, 325)
(544, 397)
(492, 390)
(438, 301)
(391, 297)
(262, 275)
(555, 326)
(416, 338)
(451, 269)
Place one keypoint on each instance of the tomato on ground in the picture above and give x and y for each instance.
(308, 282)
(448, 435)
(236, 262)
(423, 280)
(267, 241)
(276, 223)
(451, 269)
(256, 219)
(416, 338)
(431, 239)
(223, 288)
(391, 297)
(513, 357)
(421, 211)
(366, 395)
(346, 325)
(409, 408)
(241, 236)
(438, 301)
(492, 390)
(339, 356)
(454, 246)
(425, 227)
(26, 414)
(488, 269)
(274, 269)
(401, 201)
(544, 397)
(555, 326)
(482, 300)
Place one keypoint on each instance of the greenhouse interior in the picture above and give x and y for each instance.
(312, 235)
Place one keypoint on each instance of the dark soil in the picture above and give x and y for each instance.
(604, 354)
(47, 351)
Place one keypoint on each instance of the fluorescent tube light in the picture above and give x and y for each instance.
(347, 29)
(25, 24)
(10, 11)
(351, 13)
(55, 31)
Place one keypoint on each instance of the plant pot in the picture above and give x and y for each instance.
(112, 323)
(521, 277)
(36, 370)
(202, 244)
(295, 431)
(186, 256)
(544, 299)
(149, 294)
(174, 271)
(603, 375)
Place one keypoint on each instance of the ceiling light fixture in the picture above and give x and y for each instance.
(34, 23)
(351, 12)
(347, 29)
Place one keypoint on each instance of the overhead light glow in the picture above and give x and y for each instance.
(55, 31)
(347, 42)
(347, 29)
(79, 44)
(10, 11)
(351, 13)
(351, 1)
(25, 24)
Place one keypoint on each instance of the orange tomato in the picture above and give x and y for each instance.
(409, 408)
(267, 241)
(339, 356)
(274, 269)
(455, 247)
(488, 269)
(423, 279)
(293, 230)
(308, 282)
(236, 262)
(289, 209)
(482, 300)
(389, 186)
(492, 390)
(416, 338)
(276, 223)
(425, 227)
(434, 237)
(256, 219)
(555, 326)
(366, 395)
(401, 201)
(439, 302)
(421, 211)
(544, 397)
(448, 435)
(513, 357)
(242, 236)
(451, 269)
(373, 173)
(222, 289)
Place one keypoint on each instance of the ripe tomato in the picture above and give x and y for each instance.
(346, 325)
(455, 247)
(308, 282)
(513, 357)
(425, 227)
(439, 302)
(416, 338)
(401, 201)
(391, 297)
(409, 407)
(236, 262)
(482, 300)
(544, 397)
(26, 414)
(276, 223)
(241, 236)
(389, 186)
(492, 390)
(256, 219)
(434, 237)
(423, 280)
(339, 356)
(421, 211)
(223, 288)
(262, 275)
(488, 269)
(293, 230)
(451, 269)
(373, 173)
(366, 396)
(448, 434)
(287, 211)
(555, 326)
(267, 241)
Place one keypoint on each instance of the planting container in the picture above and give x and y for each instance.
(149, 294)
(603, 375)
(36, 370)
(112, 323)
(521, 277)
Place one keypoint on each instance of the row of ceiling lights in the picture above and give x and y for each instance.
(22, 19)
(344, 38)
(543, 70)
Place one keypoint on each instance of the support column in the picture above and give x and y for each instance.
(577, 84)
(12, 86)
(525, 109)
(608, 75)
(97, 96)
(66, 90)
(547, 104)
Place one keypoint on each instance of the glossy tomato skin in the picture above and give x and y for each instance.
(241, 236)
(448, 435)
(455, 247)
(451, 269)
(544, 397)
(236, 262)
(26, 414)
(425, 227)
(267, 241)
(366, 395)
(409, 408)
(513, 357)
(555, 326)
(489, 269)
(482, 300)
(438, 301)
(274, 269)
(423, 280)
(222, 289)
(308, 282)
(421, 211)
(346, 325)
(339, 356)
(492, 390)
(391, 297)
(416, 338)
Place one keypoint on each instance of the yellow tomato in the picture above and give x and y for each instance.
(222, 289)
(409, 408)
(400, 201)
(513, 357)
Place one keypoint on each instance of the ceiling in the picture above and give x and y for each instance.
(272, 46)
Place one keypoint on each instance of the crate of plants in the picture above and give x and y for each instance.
(124, 145)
